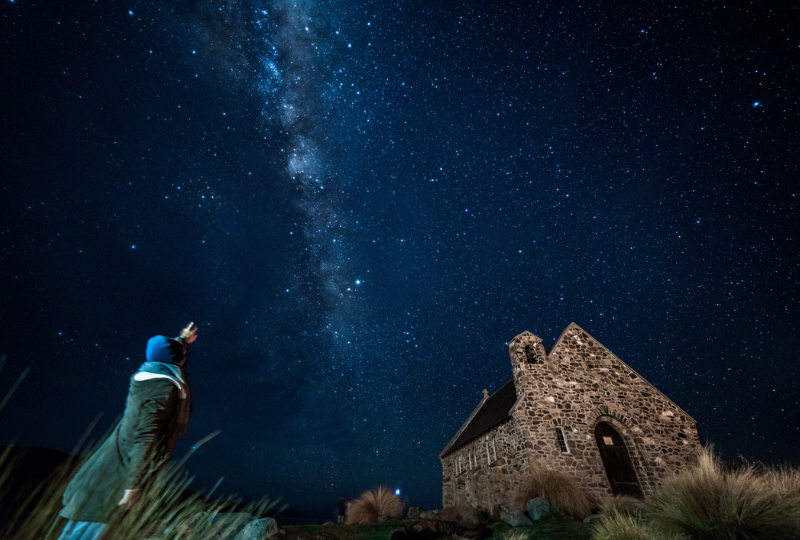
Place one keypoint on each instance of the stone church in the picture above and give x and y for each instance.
(577, 409)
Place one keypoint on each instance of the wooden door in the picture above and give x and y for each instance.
(617, 461)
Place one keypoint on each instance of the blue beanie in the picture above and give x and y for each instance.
(165, 350)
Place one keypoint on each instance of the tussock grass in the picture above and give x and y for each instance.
(621, 504)
(375, 503)
(515, 535)
(714, 502)
(558, 488)
(621, 526)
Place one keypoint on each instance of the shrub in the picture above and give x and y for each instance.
(375, 503)
(559, 489)
(711, 502)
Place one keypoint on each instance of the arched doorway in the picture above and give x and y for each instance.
(617, 461)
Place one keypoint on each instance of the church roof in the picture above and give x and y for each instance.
(491, 411)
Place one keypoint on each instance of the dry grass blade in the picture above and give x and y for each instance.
(14, 387)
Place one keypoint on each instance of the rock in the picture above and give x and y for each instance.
(494, 514)
(514, 516)
(538, 508)
(327, 523)
(414, 512)
(231, 523)
(429, 514)
(589, 519)
(258, 529)
(381, 519)
(436, 529)
(426, 529)
(463, 515)
(296, 534)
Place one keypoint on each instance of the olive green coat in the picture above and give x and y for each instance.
(147, 431)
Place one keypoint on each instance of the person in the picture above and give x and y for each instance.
(341, 510)
(156, 415)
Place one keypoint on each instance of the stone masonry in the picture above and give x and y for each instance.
(564, 395)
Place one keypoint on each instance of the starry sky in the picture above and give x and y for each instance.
(361, 202)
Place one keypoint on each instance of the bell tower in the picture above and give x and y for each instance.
(527, 358)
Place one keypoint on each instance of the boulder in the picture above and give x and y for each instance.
(494, 513)
(296, 534)
(436, 529)
(514, 516)
(258, 529)
(231, 523)
(381, 519)
(414, 512)
(429, 514)
(426, 529)
(539, 508)
(463, 515)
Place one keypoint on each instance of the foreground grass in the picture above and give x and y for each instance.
(166, 510)
(712, 502)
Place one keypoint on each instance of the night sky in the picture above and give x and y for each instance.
(361, 202)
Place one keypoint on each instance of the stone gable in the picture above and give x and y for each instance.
(562, 399)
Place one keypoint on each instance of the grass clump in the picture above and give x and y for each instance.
(558, 488)
(375, 503)
(621, 504)
(616, 525)
(713, 502)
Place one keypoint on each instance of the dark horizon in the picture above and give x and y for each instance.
(361, 204)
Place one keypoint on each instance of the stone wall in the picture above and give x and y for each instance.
(495, 470)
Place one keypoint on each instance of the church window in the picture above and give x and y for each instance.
(491, 452)
(469, 457)
(562, 440)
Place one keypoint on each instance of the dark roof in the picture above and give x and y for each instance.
(494, 410)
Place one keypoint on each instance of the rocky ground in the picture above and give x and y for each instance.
(454, 523)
